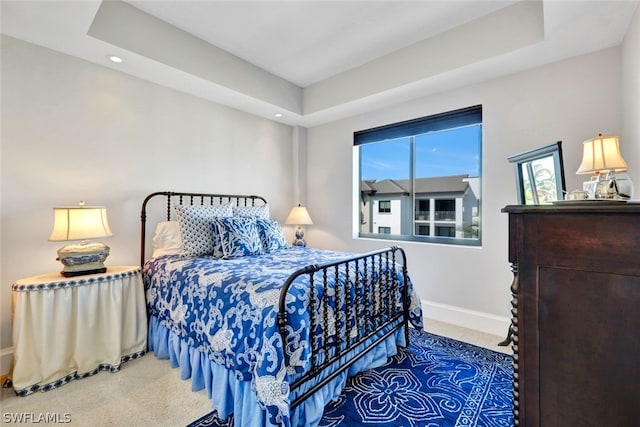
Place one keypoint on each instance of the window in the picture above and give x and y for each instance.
(384, 206)
(423, 212)
(445, 210)
(445, 231)
(422, 230)
(421, 179)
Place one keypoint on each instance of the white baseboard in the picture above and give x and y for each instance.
(470, 319)
(6, 355)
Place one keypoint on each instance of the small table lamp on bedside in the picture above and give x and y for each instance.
(299, 216)
(81, 223)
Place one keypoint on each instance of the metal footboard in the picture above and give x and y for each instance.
(358, 301)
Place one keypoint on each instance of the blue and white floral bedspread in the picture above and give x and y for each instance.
(227, 309)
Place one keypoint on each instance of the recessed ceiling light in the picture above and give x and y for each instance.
(114, 58)
(278, 115)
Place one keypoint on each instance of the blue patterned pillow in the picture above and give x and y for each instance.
(196, 227)
(257, 211)
(239, 236)
(271, 234)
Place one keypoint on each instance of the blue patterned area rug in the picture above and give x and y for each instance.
(434, 382)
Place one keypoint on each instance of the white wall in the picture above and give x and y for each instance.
(630, 135)
(72, 130)
(570, 101)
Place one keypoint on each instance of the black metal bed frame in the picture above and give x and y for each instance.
(371, 303)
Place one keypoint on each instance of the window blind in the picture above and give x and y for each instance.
(451, 119)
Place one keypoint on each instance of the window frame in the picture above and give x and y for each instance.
(387, 210)
(470, 116)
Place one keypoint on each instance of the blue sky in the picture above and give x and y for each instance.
(451, 152)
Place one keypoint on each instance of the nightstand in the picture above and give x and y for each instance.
(70, 328)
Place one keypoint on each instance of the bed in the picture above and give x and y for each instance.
(271, 332)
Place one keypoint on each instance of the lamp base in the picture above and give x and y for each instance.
(299, 238)
(83, 258)
(300, 242)
(613, 186)
(83, 272)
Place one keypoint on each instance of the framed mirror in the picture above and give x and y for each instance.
(540, 175)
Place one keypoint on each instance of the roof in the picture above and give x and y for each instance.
(440, 184)
(389, 186)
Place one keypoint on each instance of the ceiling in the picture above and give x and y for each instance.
(319, 61)
(305, 42)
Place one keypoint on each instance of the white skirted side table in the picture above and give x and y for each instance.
(69, 328)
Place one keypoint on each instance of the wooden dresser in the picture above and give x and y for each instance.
(576, 314)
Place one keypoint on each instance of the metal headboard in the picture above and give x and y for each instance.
(173, 198)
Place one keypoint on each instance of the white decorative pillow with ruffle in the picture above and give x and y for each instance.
(271, 235)
(239, 236)
(197, 227)
(255, 211)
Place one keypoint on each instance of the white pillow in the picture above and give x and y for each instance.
(261, 211)
(167, 239)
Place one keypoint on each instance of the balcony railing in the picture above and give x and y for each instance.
(439, 216)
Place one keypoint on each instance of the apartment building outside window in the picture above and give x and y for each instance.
(421, 179)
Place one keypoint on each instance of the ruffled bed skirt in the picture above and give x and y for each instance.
(230, 395)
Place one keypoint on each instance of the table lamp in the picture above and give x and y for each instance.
(299, 216)
(602, 155)
(81, 223)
